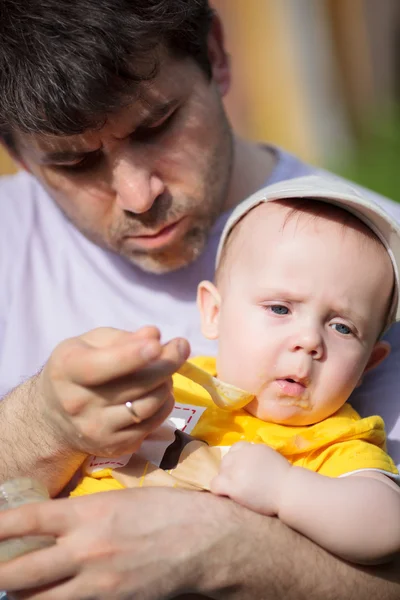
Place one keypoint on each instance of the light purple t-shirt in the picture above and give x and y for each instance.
(56, 284)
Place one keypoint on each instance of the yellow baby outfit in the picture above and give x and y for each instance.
(342, 444)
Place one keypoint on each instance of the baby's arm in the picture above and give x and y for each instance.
(355, 517)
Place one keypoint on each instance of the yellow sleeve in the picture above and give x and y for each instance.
(92, 485)
(343, 444)
(343, 458)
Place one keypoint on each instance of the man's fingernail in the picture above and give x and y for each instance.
(182, 347)
(150, 350)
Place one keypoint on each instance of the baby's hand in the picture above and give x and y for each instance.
(252, 475)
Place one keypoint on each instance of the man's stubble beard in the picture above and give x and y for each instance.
(172, 258)
(191, 246)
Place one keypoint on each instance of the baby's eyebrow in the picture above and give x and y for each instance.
(280, 294)
(344, 310)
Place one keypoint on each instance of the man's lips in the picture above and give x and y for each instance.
(159, 238)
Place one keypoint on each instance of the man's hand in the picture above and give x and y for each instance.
(253, 475)
(88, 380)
(159, 543)
(145, 544)
(76, 405)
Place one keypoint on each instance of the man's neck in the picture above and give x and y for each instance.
(252, 165)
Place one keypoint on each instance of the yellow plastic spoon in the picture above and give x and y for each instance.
(223, 394)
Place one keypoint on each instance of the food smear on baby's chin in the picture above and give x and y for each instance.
(293, 393)
(304, 404)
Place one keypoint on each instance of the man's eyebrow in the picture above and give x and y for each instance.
(66, 155)
(156, 113)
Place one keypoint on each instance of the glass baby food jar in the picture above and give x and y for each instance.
(14, 493)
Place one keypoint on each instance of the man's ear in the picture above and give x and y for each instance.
(380, 351)
(209, 302)
(218, 57)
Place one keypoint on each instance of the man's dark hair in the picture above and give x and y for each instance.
(65, 64)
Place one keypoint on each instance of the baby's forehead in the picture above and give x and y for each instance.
(275, 217)
(280, 220)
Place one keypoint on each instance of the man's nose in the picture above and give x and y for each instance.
(135, 185)
(309, 340)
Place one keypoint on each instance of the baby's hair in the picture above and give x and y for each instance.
(314, 210)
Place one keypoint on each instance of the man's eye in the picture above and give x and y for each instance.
(149, 132)
(279, 309)
(88, 162)
(341, 328)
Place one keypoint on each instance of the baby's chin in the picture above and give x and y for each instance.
(296, 412)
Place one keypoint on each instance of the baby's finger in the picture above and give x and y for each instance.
(221, 485)
(238, 447)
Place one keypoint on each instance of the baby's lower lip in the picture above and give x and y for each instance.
(293, 389)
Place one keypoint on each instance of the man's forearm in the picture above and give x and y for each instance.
(28, 445)
(270, 561)
(172, 543)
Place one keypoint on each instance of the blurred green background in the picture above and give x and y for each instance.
(375, 159)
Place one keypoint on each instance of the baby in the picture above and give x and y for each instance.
(306, 284)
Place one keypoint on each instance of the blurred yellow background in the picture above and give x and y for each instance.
(6, 164)
(318, 77)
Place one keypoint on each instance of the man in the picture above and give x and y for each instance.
(114, 110)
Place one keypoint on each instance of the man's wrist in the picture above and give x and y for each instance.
(38, 449)
(248, 556)
(230, 563)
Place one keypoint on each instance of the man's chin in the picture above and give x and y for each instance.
(163, 262)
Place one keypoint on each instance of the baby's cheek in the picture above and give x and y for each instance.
(241, 359)
(237, 368)
(344, 376)
(340, 380)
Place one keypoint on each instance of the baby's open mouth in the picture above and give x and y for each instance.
(293, 392)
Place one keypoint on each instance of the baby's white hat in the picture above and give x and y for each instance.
(334, 191)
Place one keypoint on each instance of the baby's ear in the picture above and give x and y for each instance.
(209, 302)
(380, 351)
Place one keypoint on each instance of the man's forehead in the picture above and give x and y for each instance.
(139, 113)
(147, 101)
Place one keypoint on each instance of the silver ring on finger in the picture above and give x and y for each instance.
(136, 418)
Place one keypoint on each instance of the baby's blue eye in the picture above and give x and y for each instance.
(341, 328)
(278, 309)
